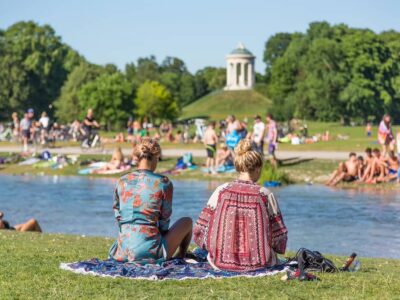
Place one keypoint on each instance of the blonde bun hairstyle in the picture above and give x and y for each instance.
(147, 148)
(246, 159)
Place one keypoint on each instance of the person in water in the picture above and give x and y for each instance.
(347, 171)
(30, 225)
(242, 227)
(143, 208)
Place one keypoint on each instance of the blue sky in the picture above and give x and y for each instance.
(199, 32)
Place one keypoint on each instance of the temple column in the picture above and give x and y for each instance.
(250, 75)
(242, 74)
(228, 73)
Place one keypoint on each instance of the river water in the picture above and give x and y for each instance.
(319, 218)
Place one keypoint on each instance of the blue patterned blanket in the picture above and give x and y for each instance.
(176, 269)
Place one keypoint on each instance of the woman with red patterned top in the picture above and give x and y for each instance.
(242, 227)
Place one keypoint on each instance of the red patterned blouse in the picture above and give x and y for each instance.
(241, 228)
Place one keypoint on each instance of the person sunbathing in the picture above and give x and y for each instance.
(242, 227)
(116, 162)
(392, 168)
(347, 171)
(368, 159)
(143, 208)
(30, 225)
(377, 168)
(224, 156)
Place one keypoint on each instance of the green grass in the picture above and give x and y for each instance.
(357, 140)
(30, 270)
(219, 104)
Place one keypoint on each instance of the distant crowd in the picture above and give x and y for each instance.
(30, 130)
(378, 165)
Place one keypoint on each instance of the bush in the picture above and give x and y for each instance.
(271, 173)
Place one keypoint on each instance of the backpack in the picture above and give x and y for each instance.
(308, 260)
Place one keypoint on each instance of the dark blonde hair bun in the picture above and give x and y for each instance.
(147, 148)
(246, 159)
(243, 147)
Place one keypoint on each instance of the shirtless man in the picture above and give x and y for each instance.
(367, 165)
(347, 171)
(377, 168)
(210, 141)
(30, 225)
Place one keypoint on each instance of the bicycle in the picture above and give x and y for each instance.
(92, 141)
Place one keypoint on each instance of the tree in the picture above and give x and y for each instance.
(275, 47)
(154, 101)
(369, 67)
(34, 64)
(147, 69)
(68, 107)
(110, 96)
(334, 73)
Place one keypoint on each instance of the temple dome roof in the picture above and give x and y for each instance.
(241, 51)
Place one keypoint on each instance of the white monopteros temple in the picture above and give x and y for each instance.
(240, 73)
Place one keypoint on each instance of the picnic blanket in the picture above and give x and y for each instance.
(176, 269)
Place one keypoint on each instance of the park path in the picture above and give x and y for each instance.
(329, 155)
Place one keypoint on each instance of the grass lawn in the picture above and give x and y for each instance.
(357, 140)
(30, 270)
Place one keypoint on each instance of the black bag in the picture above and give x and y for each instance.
(312, 261)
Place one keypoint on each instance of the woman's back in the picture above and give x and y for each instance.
(142, 206)
(245, 228)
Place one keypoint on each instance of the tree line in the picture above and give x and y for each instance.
(38, 70)
(328, 73)
(334, 73)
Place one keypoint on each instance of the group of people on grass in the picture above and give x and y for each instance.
(40, 131)
(28, 129)
(234, 132)
(377, 165)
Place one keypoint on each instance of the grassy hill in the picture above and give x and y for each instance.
(217, 105)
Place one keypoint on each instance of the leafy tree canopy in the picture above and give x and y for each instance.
(153, 100)
(34, 64)
(334, 73)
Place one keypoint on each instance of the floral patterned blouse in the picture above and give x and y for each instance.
(142, 207)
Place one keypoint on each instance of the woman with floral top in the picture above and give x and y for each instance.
(143, 207)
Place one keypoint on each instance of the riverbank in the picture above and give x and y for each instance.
(298, 170)
(30, 269)
(307, 171)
